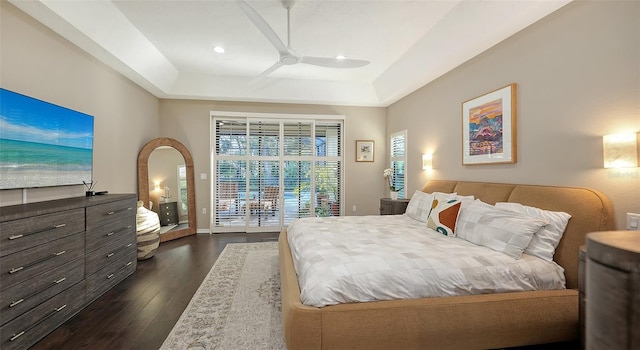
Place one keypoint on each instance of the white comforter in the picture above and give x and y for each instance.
(366, 258)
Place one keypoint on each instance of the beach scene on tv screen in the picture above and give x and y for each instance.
(43, 144)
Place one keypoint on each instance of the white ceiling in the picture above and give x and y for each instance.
(166, 46)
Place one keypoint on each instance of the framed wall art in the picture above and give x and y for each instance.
(364, 150)
(489, 128)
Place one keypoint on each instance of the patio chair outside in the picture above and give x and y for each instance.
(228, 196)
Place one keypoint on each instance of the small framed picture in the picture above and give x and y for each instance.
(364, 150)
(489, 128)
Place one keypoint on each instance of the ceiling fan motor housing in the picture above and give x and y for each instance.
(288, 4)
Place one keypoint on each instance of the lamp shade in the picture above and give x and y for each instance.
(427, 161)
(620, 150)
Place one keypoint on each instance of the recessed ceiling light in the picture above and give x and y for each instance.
(340, 57)
(218, 49)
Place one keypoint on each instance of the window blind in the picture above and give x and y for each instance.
(398, 158)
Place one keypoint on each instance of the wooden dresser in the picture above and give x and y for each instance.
(613, 290)
(58, 256)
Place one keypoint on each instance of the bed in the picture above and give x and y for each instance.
(484, 321)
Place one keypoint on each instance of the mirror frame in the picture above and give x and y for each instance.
(143, 183)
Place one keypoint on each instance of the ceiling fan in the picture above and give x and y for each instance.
(287, 55)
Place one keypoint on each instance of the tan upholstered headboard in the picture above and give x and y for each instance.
(590, 211)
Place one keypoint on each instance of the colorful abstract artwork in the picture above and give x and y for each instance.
(489, 128)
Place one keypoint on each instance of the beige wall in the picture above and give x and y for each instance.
(188, 122)
(37, 62)
(578, 76)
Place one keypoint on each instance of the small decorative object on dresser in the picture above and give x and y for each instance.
(148, 232)
(390, 206)
(59, 256)
(613, 290)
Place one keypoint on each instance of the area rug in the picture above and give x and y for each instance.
(238, 304)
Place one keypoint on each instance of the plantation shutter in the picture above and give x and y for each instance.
(229, 167)
(298, 155)
(301, 160)
(398, 157)
(328, 168)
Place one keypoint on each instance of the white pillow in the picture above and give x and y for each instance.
(546, 240)
(504, 231)
(469, 215)
(419, 206)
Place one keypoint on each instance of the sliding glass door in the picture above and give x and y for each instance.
(268, 172)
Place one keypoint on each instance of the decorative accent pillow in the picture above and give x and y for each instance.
(546, 240)
(502, 230)
(444, 215)
(419, 206)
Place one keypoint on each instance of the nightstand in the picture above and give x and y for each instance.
(168, 213)
(390, 206)
(613, 290)
(582, 286)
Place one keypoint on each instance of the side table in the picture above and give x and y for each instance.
(168, 213)
(613, 290)
(390, 206)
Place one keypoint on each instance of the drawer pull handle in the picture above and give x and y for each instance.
(109, 255)
(129, 245)
(16, 269)
(16, 302)
(41, 231)
(120, 211)
(109, 276)
(16, 336)
(129, 263)
(110, 234)
(60, 280)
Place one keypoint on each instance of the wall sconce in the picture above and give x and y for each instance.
(620, 150)
(427, 161)
(157, 185)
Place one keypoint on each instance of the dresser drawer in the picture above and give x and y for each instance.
(25, 233)
(108, 234)
(110, 213)
(33, 325)
(24, 296)
(21, 266)
(106, 255)
(106, 278)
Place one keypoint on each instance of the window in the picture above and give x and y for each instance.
(398, 157)
(269, 171)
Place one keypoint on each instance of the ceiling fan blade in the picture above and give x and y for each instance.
(266, 72)
(263, 27)
(333, 62)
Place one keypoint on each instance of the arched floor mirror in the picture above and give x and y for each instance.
(147, 188)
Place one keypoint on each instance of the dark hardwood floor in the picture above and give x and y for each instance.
(140, 312)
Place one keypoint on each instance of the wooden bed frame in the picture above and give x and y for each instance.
(466, 322)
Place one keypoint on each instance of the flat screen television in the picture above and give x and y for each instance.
(42, 144)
